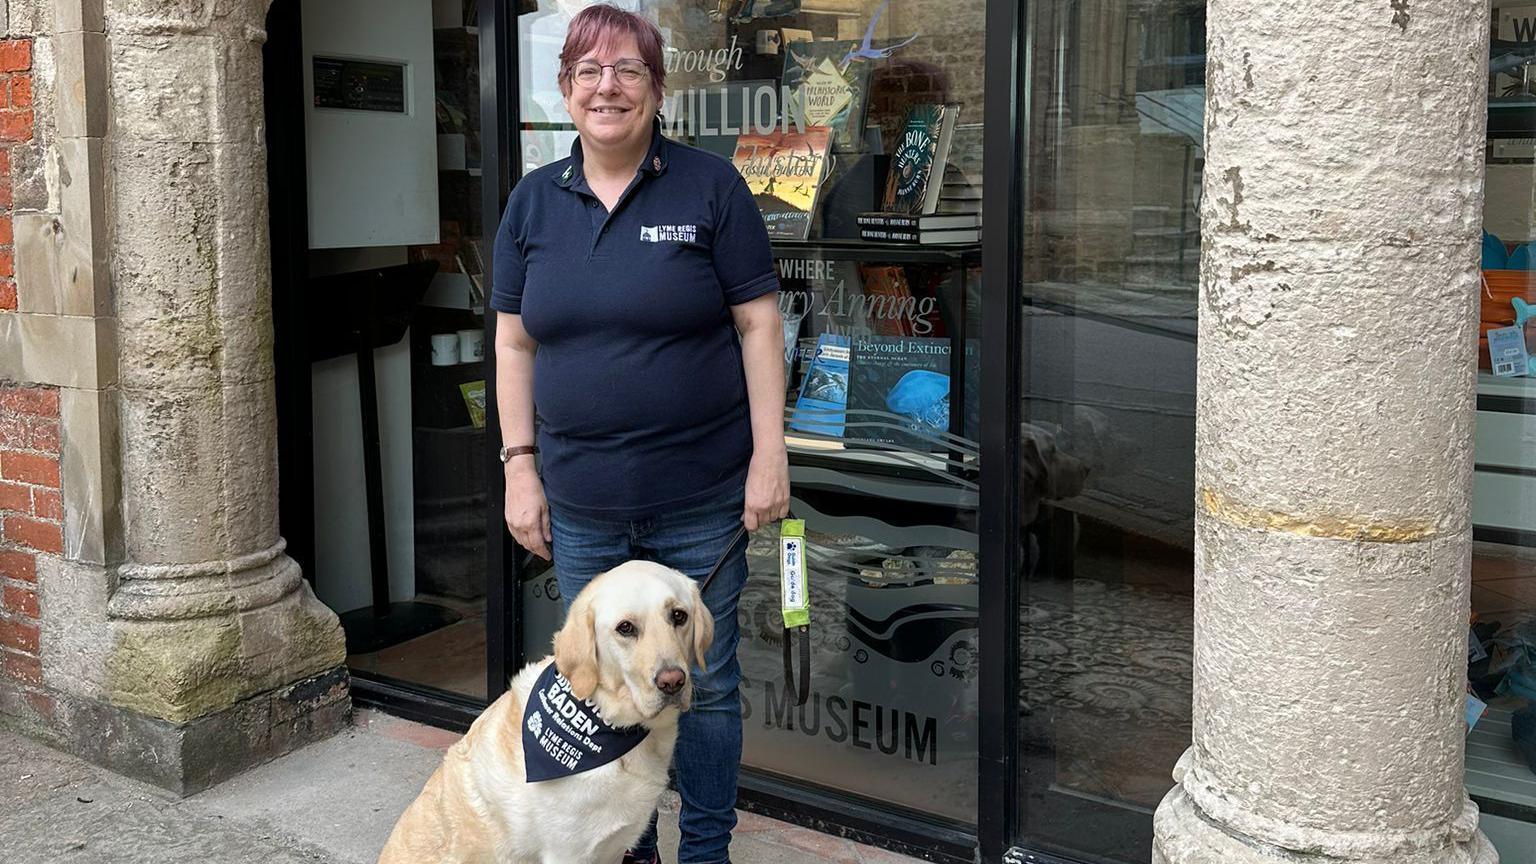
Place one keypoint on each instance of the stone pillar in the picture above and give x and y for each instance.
(1338, 325)
(178, 643)
(219, 612)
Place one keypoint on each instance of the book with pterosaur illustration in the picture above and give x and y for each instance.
(828, 86)
(784, 171)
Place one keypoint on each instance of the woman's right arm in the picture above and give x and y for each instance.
(527, 513)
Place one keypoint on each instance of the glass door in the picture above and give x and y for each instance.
(1112, 95)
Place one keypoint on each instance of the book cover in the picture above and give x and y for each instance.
(902, 387)
(888, 300)
(784, 171)
(828, 89)
(824, 391)
(474, 401)
(917, 164)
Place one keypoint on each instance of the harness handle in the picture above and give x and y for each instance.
(803, 692)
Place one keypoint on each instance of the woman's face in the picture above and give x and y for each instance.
(612, 115)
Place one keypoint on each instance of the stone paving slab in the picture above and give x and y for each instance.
(331, 803)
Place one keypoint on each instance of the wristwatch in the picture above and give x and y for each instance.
(522, 449)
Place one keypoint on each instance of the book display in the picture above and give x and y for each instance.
(784, 171)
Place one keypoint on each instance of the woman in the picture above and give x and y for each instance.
(636, 308)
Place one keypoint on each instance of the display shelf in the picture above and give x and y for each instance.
(1495, 769)
(888, 253)
(917, 470)
(1495, 394)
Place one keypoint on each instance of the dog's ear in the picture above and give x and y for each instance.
(576, 649)
(703, 630)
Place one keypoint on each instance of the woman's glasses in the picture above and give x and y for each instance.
(588, 73)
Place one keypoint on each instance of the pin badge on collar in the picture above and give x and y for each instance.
(655, 163)
(567, 174)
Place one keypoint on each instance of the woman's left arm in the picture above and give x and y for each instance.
(762, 357)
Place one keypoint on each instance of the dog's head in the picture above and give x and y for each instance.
(630, 640)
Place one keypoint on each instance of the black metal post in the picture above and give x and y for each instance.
(288, 224)
(499, 160)
(1001, 345)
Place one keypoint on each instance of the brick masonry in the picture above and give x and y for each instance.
(16, 127)
(31, 520)
(31, 504)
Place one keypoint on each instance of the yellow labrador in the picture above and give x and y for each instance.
(625, 649)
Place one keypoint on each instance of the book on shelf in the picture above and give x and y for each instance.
(784, 171)
(820, 408)
(959, 205)
(922, 238)
(888, 301)
(937, 221)
(917, 163)
(902, 387)
(827, 90)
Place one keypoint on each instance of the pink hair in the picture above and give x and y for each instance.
(602, 24)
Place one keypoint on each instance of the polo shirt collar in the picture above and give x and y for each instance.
(655, 162)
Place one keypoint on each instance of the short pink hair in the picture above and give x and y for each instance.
(601, 24)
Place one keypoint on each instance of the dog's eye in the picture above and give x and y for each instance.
(679, 617)
(626, 629)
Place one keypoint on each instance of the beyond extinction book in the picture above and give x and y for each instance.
(784, 171)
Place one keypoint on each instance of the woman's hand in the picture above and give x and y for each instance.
(527, 513)
(767, 488)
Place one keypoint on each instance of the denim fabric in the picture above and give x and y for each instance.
(708, 755)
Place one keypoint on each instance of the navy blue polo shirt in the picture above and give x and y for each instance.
(638, 381)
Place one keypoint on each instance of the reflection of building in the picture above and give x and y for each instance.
(152, 615)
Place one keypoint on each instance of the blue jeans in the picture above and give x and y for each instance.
(708, 755)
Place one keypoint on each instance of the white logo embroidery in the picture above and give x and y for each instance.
(535, 724)
(668, 233)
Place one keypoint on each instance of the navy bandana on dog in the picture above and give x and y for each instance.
(563, 735)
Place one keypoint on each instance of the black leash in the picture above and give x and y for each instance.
(804, 691)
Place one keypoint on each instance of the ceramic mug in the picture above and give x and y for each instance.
(445, 349)
(471, 346)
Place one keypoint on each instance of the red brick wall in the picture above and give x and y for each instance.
(15, 128)
(31, 519)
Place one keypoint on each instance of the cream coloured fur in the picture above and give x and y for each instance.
(477, 808)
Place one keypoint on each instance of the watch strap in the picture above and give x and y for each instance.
(520, 450)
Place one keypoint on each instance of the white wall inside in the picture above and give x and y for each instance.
(372, 174)
(343, 572)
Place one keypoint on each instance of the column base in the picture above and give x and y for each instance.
(1183, 834)
(187, 757)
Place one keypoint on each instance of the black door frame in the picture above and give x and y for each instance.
(875, 822)
(1001, 352)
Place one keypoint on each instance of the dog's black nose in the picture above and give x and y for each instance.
(671, 681)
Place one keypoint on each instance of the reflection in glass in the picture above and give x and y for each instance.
(1107, 459)
(1501, 672)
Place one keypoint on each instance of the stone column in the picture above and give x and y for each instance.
(210, 610)
(1338, 325)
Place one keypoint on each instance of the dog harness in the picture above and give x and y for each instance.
(564, 736)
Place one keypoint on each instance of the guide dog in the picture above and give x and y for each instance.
(625, 648)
